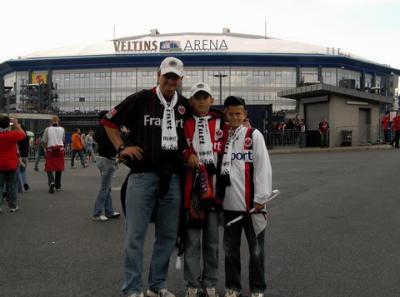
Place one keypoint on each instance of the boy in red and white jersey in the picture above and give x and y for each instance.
(203, 133)
(246, 179)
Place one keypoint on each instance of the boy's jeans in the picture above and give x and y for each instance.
(232, 238)
(141, 196)
(103, 201)
(193, 250)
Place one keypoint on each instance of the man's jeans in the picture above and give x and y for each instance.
(209, 248)
(232, 239)
(9, 178)
(81, 157)
(103, 201)
(141, 197)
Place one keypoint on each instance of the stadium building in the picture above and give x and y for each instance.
(84, 78)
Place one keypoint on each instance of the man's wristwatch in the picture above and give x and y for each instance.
(121, 148)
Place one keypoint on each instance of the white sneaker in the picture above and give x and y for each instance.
(232, 293)
(191, 292)
(162, 293)
(101, 218)
(136, 295)
(211, 292)
(14, 209)
(259, 294)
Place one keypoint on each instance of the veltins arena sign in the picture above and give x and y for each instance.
(145, 46)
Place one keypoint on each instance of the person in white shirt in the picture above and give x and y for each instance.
(53, 140)
(246, 179)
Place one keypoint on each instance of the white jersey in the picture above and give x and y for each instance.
(54, 136)
(250, 173)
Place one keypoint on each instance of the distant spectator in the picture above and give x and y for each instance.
(324, 133)
(9, 159)
(387, 127)
(90, 146)
(23, 148)
(396, 129)
(40, 151)
(301, 126)
(77, 147)
(53, 139)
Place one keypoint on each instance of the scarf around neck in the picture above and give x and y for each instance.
(169, 137)
(202, 143)
(227, 158)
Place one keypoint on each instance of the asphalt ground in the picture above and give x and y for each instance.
(333, 232)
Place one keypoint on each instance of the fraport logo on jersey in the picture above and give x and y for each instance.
(243, 156)
(150, 121)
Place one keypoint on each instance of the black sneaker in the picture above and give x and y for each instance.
(26, 187)
(36, 169)
(51, 189)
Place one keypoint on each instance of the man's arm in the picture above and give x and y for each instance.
(115, 138)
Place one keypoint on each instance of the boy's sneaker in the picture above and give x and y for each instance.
(232, 293)
(136, 295)
(14, 209)
(101, 218)
(113, 215)
(26, 187)
(162, 293)
(258, 294)
(51, 189)
(191, 292)
(211, 292)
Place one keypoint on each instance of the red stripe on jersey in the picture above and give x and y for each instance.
(108, 123)
(248, 184)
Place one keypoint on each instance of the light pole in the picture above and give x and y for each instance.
(220, 75)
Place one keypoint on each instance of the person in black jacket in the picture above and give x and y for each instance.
(106, 164)
(155, 143)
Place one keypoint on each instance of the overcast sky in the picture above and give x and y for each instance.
(368, 28)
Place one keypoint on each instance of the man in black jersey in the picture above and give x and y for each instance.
(154, 145)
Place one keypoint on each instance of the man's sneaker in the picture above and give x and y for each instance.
(161, 293)
(191, 292)
(101, 218)
(136, 295)
(14, 209)
(258, 294)
(26, 187)
(113, 215)
(232, 293)
(211, 292)
(51, 188)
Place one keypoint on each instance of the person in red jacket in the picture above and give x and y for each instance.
(386, 125)
(9, 158)
(396, 129)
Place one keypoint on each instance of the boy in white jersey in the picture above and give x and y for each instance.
(246, 179)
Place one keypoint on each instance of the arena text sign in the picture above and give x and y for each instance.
(145, 46)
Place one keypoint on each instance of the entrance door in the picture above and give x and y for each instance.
(364, 124)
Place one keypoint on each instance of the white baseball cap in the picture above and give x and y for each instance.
(200, 86)
(173, 65)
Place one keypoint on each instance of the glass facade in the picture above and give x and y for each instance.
(87, 90)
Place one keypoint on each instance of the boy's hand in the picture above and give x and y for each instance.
(193, 161)
(259, 207)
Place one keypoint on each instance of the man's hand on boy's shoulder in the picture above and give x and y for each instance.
(193, 161)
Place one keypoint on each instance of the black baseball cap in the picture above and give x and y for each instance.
(234, 101)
